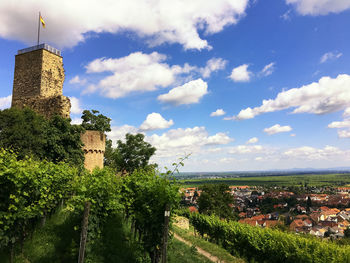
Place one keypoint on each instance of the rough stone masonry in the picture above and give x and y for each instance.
(38, 84)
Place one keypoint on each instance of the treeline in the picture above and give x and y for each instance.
(32, 190)
(267, 245)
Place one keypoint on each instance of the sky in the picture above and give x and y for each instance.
(237, 84)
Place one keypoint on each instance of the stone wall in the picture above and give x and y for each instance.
(38, 83)
(59, 105)
(94, 149)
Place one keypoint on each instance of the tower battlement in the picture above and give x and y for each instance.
(38, 81)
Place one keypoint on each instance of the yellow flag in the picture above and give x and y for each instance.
(42, 21)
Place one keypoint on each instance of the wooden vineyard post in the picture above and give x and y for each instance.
(165, 233)
(84, 229)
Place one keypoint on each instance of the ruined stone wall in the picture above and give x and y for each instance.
(38, 83)
(94, 149)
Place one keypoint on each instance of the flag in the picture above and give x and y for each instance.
(42, 21)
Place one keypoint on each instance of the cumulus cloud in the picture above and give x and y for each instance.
(344, 134)
(241, 73)
(137, 72)
(346, 112)
(75, 105)
(190, 92)
(319, 7)
(218, 112)
(330, 56)
(156, 21)
(5, 102)
(76, 121)
(311, 153)
(246, 149)
(325, 96)
(189, 140)
(277, 129)
(268, 69)
(118, 132)
(340, 124)
(213, 65)
(252, 140)
(155, 121)
(77, 80)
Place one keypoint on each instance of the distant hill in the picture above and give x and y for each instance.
(281, 172)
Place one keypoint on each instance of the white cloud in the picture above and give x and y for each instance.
(213, 65)
(286, 15)
(218, 112)
(340, 124)
(118, 132)
(246, 149)
(137, 72)
(346, 112)
(155, 121)
(71, 22)
(319, 7)
(344, 134)
(252, 140)
(292, 135)
(277, 129)
(190, 92)
(311, 153)
(5, 102)
(325, 96)
(76, 121)
(219, 138)
(189, 140)
(330, 56)
(75, 105)
(241, 73)
(268, 69)
(77, 80)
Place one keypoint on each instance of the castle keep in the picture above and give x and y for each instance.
(38, 84)
(38, 81)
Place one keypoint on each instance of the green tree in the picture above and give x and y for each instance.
(30, 134)
(23, 131)
(131, 155)
(216, 199)
(94, 121)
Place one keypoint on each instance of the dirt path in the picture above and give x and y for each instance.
(200, 251)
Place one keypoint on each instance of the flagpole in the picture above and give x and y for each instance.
(38, 29)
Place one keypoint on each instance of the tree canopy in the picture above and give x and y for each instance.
(94, 121)
(130, 155)
(216, 199)
(30, 134)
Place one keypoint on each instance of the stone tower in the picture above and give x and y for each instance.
(38, 84)
(38, 81)
(94, 149)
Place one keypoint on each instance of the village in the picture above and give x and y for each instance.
(319, 211)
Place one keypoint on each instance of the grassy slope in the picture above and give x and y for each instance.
(213, 249)
(286, 180)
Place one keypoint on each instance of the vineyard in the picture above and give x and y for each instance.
(32, 191)
(267, 245)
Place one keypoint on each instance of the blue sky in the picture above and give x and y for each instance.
(241, 85)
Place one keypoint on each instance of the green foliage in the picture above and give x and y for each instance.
(96, 122)
(102, 189)
(129, 156)
(216, 199)
(268, 245)
(29, 190)
(30, 134)
(23, 131)
(146, 196)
